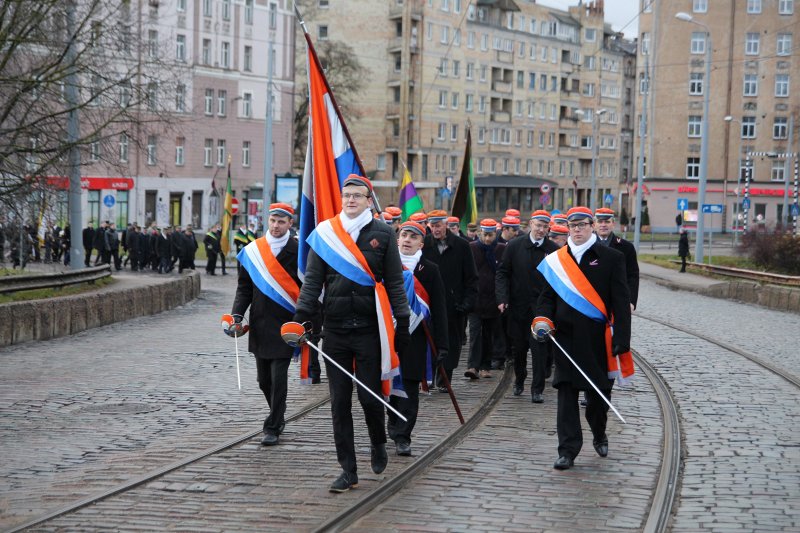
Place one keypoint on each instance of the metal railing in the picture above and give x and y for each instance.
(53, 280)
(753, 275)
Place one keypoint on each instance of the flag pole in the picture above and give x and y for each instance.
(313, 54)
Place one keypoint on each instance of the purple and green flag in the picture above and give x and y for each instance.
(410, 202)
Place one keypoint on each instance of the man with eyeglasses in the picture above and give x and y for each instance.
(585, 294)
(605, 233)
(355, 258)
(518, 288)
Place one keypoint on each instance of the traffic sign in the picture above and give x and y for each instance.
(608, 199)
(544, 188)
(544, 199)
(683, 204)
(795, 210)
(109, 200)
(234, 206)
(712, 208)
(746, 204)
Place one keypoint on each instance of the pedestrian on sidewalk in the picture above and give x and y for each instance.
(683, 248)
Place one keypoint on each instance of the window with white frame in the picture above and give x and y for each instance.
(784, 44)
(442, 99)
(750, 85)
(206, 51)
(483, 73)
(247, 105)
(222, 102)
(748, 127)
(248, 11)
(245, 153)
(549, 168)
(752, 41)
(457, 37)
(226, 9)
(152, 43)
(454, 100)
(322, 32)
(780, 128)
(698, 45)
(273, 15)
(484, 42)
(220, 152)
(645, 48)
(181, 6)
(180, 47)
(695, 125)
(454, 132)
(586, 141)
(692, 168)
(778, 171)
(123, 148)
(94, 151)
(588, 89)
(208, 8)
(781, 85)
(380, 163)
(698, 6)
(469, 100)
(208, 102)
(785, 7)
(180, 98)
(492, 165)
(208, 149)
(445, 35)
(481, 135)
(152, 143)
(443, 64)
(754, 7)
(442, 131)
(696, 83)
(180, 159)
(456, 68)
(453, 163)
(590, 35)
(482, 104)
(152, 96)
(247, 65)
(429, 31)
(471, 39)
(470, 70)
(225, 55)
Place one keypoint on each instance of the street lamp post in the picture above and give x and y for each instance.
(593, 199)
(701, 191)
(738, 181)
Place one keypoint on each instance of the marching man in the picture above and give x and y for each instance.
(355, 259)
(425, 293)
(585, 305)
(269, 286)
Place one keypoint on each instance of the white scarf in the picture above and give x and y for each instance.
(353, 226)
(276, 244)
(578, 249)
(534, 241)
(410, 261)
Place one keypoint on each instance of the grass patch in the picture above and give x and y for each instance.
(40, 294)
(12, 272)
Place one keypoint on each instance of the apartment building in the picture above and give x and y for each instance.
(219, 107)
(754, 71)
(544, 91)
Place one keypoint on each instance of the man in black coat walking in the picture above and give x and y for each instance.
(683, 248)
(604, 222)
(457, 267)
(351, 327)
(518, 288)
(211, 243)
(582, 336)
(99, 243)
(268, 312)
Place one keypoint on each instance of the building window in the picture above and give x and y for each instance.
(273, 16)
(206, 51)
(778, 172)
(454, 132)
(442, 99)
(785, 7)
(225, 55)
(754, 6)
(590, 35)
(180, 98)
(693, 168)
(221, 152)
(207, 7)
(208, 148)
(123, 148)
(751, 43)
(152, 96)
(94, 151)
(248, 11)
(645, 43)
(180, 48)
(784, 45)
(698, 6)
(245, 153)
(750, 85)
(779, 128)
(248, 59)
(454, 101)
(151, 149)
(695, 125)
(456, 68)
(179, 155)
(470, 70)
(696, 83)
(322, 32)
(442, 131)
(698, 42)
(481, 135)
(453, 163)
(222, 101)
(469, 103)
(181, 7)
(247, 105)
(748, 127)
(226, 9)
(122, 209)
(781, 85)
(208, 101)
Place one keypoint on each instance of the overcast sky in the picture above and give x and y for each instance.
(619, 13)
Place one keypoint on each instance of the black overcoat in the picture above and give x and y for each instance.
(457, 268)
(631, 264)
(413, 358)
(580, 336)
(518, 282)
(266, 316)
(485, 305)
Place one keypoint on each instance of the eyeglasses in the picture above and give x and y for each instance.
(580, 225)
(353, 195)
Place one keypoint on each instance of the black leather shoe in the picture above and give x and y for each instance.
(379, 458)
(537, 397)
(269, 439)
(563, 463)
(517, 390)
(601, 447)
(403, 448)
(442, 388)
(344, 482)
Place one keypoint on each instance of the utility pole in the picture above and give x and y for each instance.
(637, 227)
(73, 135)
(268, 134)
(786, 167)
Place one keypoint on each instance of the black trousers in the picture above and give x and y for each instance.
(502, 342)
(360, 348)
(482, 341)
(222, 261)
(568, 418)
(455, 335)
(400, 431)
(273, 380)
(211, 263)
(87, 257)
(541, 357)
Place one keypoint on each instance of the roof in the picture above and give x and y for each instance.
(566, 19)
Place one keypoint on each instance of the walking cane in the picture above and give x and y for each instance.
(571, 360)
(442, 373)
(227, 325)
(295, 334)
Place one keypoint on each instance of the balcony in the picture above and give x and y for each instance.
(392, 142)
(395, 44)
(569, 123)
(396, 12)
(502, 86)
(505, 57)
(393, 110)
(565, 149)
(501, 116)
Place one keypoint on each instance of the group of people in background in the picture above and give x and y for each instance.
(438, 280)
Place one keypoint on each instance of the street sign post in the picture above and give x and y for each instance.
(712, 208)
(683, 204)
(234, 206)
(608, 199)
(746, 204)
(795, 210)
(109, 201)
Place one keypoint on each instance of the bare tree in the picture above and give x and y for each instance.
(123, 76)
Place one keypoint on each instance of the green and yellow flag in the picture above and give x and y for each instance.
(465, 207)
(227, 215)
